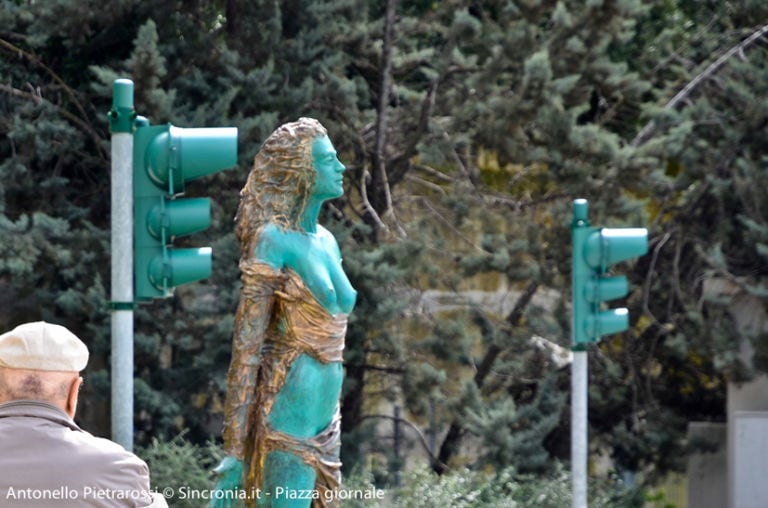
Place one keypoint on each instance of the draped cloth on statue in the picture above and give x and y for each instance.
(298, 325)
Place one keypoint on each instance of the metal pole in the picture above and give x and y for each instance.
(579, 378)
(121, 126)
(432, 429)
(579, 428)
(397, 437)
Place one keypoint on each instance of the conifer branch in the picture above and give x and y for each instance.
(378, 368)
(713, 68)
(513, 319)
(449, 224)
(80, 122)
(455, 431)
(39, 99)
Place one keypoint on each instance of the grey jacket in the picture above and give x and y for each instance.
(46, 460)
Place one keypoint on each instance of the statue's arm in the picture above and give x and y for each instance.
(261, 277)
(251, 322)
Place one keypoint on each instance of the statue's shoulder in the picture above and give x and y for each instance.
(270, 232)
(273, 246)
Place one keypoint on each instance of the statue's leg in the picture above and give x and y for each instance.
(288, 481)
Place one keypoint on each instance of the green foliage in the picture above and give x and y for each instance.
(705, 218)
(515, 436)
(506, 489)
(185, 469)
(460, 175)
(181, 470)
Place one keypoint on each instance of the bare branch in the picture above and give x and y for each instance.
(683, 94)
(447, 223)
(81, 122)
(432, 458)
(367, 204)
(36, 98)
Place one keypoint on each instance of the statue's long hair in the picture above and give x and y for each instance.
(280, 183)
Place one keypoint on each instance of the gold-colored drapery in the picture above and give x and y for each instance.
(278, 320)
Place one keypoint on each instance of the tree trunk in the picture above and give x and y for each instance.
(452, 440)
(379, 197)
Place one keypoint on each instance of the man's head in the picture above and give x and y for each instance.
(42, 361)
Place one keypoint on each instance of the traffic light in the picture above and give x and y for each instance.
(164, 159)
(594, 251)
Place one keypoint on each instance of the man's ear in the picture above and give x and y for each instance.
(74, 391)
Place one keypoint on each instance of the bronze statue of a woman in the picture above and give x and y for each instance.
(282, 422)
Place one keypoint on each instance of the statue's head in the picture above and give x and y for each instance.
(281, 181)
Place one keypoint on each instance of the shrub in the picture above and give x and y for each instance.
(181, 470)
(506, 489)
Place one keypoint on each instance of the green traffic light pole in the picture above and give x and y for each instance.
(121, 119)
(594, 250)
(150, 165)
(579, 367)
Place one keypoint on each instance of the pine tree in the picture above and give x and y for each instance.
(467, 128)
(701, 144)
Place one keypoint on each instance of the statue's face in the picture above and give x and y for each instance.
(329, 179)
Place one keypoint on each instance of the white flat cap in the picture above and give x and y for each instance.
(42, 346)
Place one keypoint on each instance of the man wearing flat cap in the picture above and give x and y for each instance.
(46, 460)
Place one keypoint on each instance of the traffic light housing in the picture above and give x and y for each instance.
(594, 251)
(164, 159)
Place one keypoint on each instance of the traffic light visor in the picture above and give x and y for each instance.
(180, 267)
(607, 322)
(607, 246)
(179, 217)
(176, 155)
